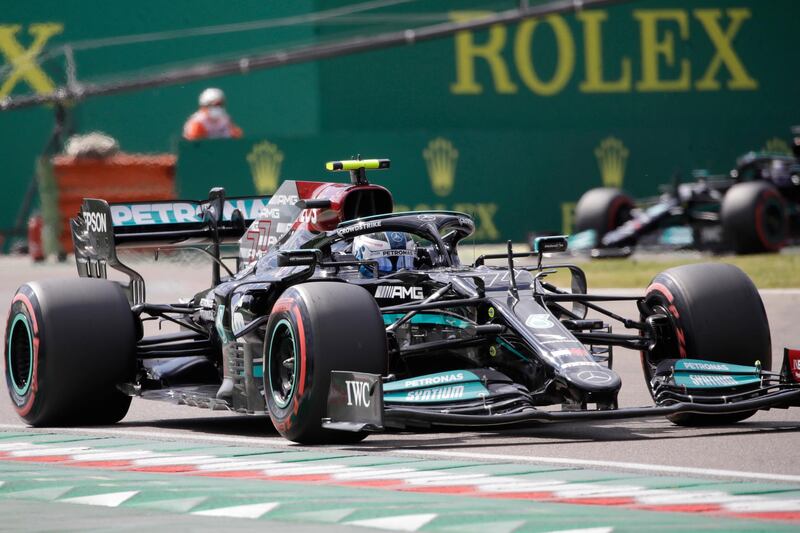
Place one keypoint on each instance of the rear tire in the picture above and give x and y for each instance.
(717, 315)
(68, 344)
(602, 210)
(754, 218)
(315, 328)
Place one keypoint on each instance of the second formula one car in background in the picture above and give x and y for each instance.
(753, 209)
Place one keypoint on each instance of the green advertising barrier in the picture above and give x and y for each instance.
(511, 123)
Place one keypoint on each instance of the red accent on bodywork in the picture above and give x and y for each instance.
(337, 193)
(793, 357)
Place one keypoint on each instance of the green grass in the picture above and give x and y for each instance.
(766, 271)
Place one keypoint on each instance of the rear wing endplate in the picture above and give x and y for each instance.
(101, 228)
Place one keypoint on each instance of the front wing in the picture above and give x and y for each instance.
(359, 402)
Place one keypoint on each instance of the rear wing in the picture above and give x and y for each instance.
(100, 229)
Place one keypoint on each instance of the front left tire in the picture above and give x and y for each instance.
(315, 328)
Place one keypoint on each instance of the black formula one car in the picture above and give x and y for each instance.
(334, 339)
(753, 209)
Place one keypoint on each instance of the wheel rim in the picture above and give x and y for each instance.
(619, 213)
(773, 222)
(672, 344)
(282, 363)
(650, 363)
(20, 354)
(623, 215)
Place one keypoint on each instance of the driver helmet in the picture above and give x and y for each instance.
(393, 251)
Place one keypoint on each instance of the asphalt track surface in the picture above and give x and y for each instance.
(765, 449)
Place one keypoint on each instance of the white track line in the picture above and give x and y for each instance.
(485, 483)
(662, 469)
(642, 467)
(779, 292)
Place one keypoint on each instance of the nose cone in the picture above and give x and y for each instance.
(594, 379)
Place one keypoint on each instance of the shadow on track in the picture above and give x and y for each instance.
(543, 435)
(234, 425)
(572, 434)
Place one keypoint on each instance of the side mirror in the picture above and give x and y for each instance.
(237, 221)
(313, 204)
(291, 258)
(553, 244)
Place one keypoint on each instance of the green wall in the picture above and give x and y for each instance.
(522, 119)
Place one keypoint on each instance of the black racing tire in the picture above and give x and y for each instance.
(320, 326)
(717, 315)
(602, 209)
(754, 218)
(68, 344)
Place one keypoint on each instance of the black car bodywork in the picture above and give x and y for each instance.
(328, 346)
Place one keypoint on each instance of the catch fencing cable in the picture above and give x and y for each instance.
(205, 31)
(301, 54)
